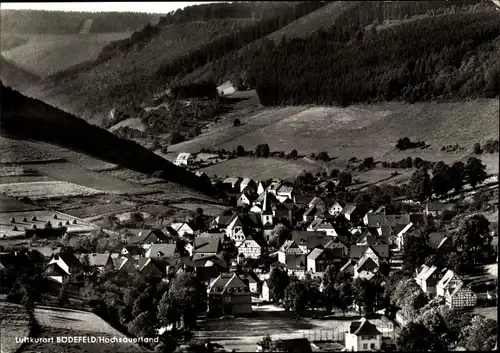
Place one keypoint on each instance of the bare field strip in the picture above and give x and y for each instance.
(89, 211)
(23, 179)
(209, 210)
(261, 168)
(46, 190)
(13, 323)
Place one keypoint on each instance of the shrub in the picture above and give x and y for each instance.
(477, 148)
(334, 173)
(236, 122)
(491, 146)
(405, 144)
(240, 150)
(294, 154)
(176, 137)
(323, 156)
(385, 164)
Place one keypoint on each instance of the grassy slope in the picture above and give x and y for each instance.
(13, 323)
(89, 87)
(44, 54)
(14, 76)
(359, 130)
(51, 125)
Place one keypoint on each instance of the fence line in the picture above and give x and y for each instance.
(339, 335)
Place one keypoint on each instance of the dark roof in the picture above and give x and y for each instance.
(436, 239)
(207, 245)
(252, 220)
(54, 270)
(310, 239)
(417, 218)
(163, 250)
(97, 260)
(141, 234)
(133, 250)
(68, 258)
(381, 249)
(436, 206)
(311, 211)
(364, 328)
(224, 220)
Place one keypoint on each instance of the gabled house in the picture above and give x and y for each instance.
(62, 267)
(348, 268)
(435, 208)
(401, 233)
(245, 199)
(185, 228)
(163, 250)
(205, 179)
(229, 295)
(439, 241)
(282, 212)
(221, 222)
(366, 264)
(319, 259)
(132, 251)
(261, 187)
(457, 294)
(350, 212)
(151, 267)
(323, 225)
(274, 186)
(318, 203)
(248, 185)
(207, 246)
(251, 280)
(102, 263)
(45, 252)
(292, 256)
(310, 214)
(232, 184)
(146, 237)
(184, 158)
(308, 240)
(336, 208)
(236, 229)
(250, 248)
(363, 336)
(338, 243)
(286, 192)
(125, 265)
(428, 278)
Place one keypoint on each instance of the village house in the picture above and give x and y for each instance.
(207, 246)
(251, 280)
(365, 264)
(185, 229)
(456, 293)
(45, 252)
(440, 242)
(310, 214)
(292, 257)
(132, 251)
(229, 295)
(232, 184)
(265, 294)
(102, 263)
(308, 240)
(435, 208)
(363, 336)
(283, 212)
(348, 268)
(401, 232)
(184, 158)
(338, 243)
(151, 267)
(125, 265)
(246, 199)
(285, 192)
(146, 237)
(318, 203)
(323, 225)
(250, 248)
(261, 187)
(378, 252)
(221, 222)
(203, 177)
(336, 208)
(163, 250)
(428, 278)
(380, 218)
(274, 186)
(248, 185)
(62, 267)
(319, 259)
(236, 229)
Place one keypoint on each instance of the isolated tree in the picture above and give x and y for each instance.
(293, 154)
(473, 241)
(136, 218)
(475, 171)
(295, 296)
(457, 176)
(240, 150)
(176, 137)
(334, 173)
(323, 156)
(440, 181)
(417, 162)
(477, 148)
(419, 188)
(345, 179)
(278, 282)
(364, 294)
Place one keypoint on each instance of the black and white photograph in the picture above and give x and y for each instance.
(249, 176)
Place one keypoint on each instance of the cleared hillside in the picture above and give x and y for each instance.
(26, 118)
(359, 130)
(14, 76)
(45, 54)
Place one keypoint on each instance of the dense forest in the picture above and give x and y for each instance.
(133, 92)
(59, 22)
(448, 56)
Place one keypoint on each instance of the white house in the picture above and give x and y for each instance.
(250, 248)
(363, 336)
(286, 192)
(265, 294)
(184, 159)
(336, 209)
(243, 200)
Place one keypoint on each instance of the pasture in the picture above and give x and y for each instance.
(46, 190)
(359, 130)
(45, 54)
(261, 168)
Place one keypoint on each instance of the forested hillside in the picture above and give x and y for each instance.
(347, 19)
(452, 56)
(59, 22)
(12, 75)
(122, 78)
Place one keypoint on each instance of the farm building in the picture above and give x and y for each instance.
(229, 295)
(184, 158)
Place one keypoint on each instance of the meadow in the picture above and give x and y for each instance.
(45, 54)
(46, 190)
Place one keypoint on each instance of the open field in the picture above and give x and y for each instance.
(13, 323)
(17, 151)
(490, 312)
(46, 190)
(136, 177)
(261, 168)
(90, 211)
(10, 204)
(242, 334)
(58, 322)
(44, 54)
(209, 210)
(360, 130)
